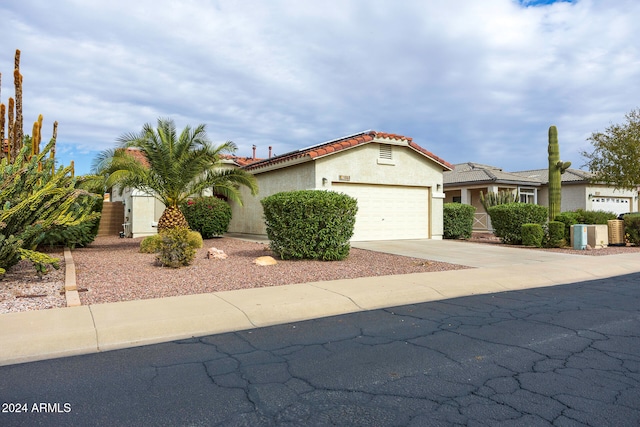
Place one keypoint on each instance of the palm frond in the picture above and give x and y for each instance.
(177, 165)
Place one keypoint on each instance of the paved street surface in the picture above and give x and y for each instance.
(564, 355)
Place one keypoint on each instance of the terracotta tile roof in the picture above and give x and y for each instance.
(344, 143)
(138, 155)
(240, 161)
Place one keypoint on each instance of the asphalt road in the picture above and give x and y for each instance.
(564, 356)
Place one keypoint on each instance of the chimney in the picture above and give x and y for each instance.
(254, 153)
(269, 151)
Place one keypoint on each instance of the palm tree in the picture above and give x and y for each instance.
(172, 167)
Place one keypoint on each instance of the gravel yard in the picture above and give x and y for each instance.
(112, 269)
(21, 289)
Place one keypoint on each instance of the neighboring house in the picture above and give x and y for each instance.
(465, 182)
(397, 183)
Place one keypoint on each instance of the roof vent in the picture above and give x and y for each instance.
(385, 151)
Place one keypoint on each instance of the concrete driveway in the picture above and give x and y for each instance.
(463, 253)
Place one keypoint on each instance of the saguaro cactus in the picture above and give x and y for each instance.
(556, 169)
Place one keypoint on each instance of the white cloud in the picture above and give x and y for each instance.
(469, 80)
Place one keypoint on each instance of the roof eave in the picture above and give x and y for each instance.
(255, 169)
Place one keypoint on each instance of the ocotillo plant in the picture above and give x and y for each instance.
(556, 169)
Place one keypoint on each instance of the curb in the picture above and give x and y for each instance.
(70, 288)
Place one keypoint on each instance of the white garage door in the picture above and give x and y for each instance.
(616, 205)
(388, 212)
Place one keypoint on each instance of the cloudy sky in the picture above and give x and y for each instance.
(470, 80)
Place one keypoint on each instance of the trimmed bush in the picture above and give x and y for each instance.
(556, 234)
(195, 239)
(175, 249)
(310, 224)
(568, 219)
(632, 228)
(209, 216)
(532, 235)
(507, 220)
(458, 220)
(594, 217)
(151, 244)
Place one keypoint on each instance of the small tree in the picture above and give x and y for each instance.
(615, 159)
(173, 167)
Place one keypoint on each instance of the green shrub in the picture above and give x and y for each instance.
(632, 228)
(556, 238)
(151, 244)
(195, 239)
(568, 219)
(175, 248)
(209, 216)
(458, 220)
(532, 235)
(594, 217)
(507, 219)
(310, 224)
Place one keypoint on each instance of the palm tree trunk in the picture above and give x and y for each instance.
(172, 217)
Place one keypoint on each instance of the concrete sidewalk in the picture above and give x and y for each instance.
(45, 334)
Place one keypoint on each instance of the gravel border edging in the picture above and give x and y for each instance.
(70, 287)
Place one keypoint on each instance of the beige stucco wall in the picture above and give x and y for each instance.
(360, 165)
(249, 217)
(576, 196)
(144, 214)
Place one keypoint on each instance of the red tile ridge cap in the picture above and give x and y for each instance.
(431, 155)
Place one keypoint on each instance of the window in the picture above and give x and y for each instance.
(527, 195)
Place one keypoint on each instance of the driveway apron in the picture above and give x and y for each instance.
(463, 253)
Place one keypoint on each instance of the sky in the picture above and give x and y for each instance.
(469, 80)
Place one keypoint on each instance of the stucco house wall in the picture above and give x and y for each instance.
(249, 218)
(583, 196)
(347, 169)
(577, 191)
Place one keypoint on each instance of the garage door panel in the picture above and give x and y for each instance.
(617, 205)
(389, 212)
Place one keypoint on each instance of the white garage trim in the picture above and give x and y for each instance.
(389, 212)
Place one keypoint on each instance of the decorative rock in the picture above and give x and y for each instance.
(265, 260)
(215, 253)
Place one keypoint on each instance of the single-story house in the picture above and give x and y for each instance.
(398, 184)
(465, 181)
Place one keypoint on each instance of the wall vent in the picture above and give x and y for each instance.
(385, 152)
